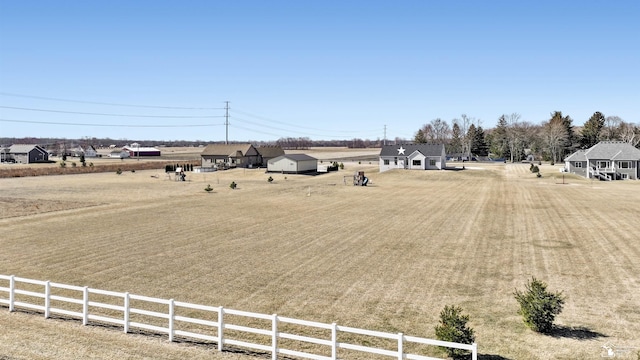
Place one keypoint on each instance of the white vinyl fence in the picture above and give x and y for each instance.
(268, 333)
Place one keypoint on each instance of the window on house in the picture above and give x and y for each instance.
(432, 162)
(417, 162)
(578, 164)
(625, 176)
(624, 164)
(386, 161)
(602, 164)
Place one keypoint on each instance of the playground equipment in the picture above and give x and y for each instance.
(359, 179)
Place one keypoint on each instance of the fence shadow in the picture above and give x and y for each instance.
(578, 333)
(491, 357)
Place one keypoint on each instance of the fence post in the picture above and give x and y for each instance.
(474, 351)
(171, 315)
(12, 292)
(400, 346)
(85, 305)
(274, 337)
(220, 327)
(47, 299)
(334, 341)
(126, 312)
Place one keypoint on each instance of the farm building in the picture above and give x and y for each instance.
(230, 155)
(120, 154)
(27, 154)
(137, 151)
(293, 164)
(269, 152)
(413, 157)
(607, 160)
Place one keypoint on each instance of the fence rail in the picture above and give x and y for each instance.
(213, 324)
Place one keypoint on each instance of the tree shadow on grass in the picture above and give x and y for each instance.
(578, 333)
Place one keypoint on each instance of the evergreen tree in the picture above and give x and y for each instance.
(420, 138)
(499, 144)
(591, 130)
(479, 146)
(455, 146)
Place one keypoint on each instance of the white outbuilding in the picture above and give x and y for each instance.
(293, 164)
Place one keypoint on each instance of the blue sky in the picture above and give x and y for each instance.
(317, 69)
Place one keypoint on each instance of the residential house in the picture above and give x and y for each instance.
(293, 164)
(413, 157)
(607, 160)
(230, 155)
(269, 152)
(27, 154)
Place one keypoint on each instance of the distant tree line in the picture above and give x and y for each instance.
(513, 139)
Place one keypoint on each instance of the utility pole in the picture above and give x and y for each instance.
(226, 122)
(385, 135)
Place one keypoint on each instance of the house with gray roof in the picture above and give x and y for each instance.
(413, 157)
(607, 160)
(229, 156)
(269, 152)
(27, 154)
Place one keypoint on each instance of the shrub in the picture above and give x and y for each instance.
(208, 188)
(119, 171)
(538, 306)
(73, 164)
(233, 185)
(270, 179)
(90, 164)
(535, 169)
(341, 166)
(133, 170)
(453, 328)
(63, 164)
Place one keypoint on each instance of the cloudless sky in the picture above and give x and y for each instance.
(318, 69)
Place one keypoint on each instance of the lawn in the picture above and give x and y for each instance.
(385, 257)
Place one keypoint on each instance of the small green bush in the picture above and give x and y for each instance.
(341, 166)
(270, 179)
(63, 164)
(73, 164)
(453, 328)
(535, 169)
(208, 188)
(90, 164)
(538, 306)
(119, 171)
(233, 185)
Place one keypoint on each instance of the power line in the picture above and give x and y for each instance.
(109, 104)
(108, 125)
(289, 124)
(103, 114)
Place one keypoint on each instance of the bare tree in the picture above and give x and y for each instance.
(441, 130)
(514, 135)
(610, 128)
(629, 133)
(555, 135)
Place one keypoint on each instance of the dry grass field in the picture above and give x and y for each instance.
(385, 257)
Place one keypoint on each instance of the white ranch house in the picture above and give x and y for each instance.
(607, 160)
(413, 157)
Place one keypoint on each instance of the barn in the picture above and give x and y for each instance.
(135, 151)
(293, 164)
